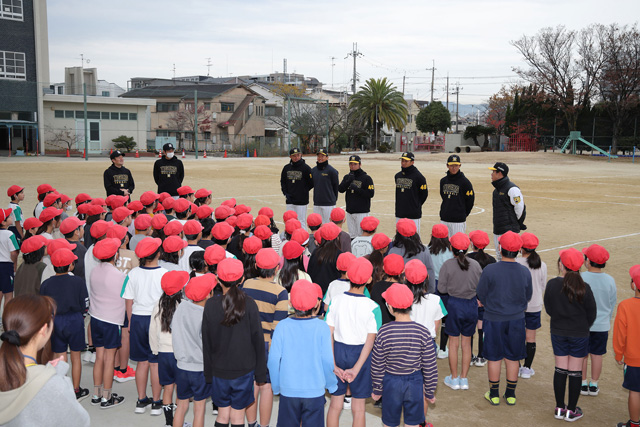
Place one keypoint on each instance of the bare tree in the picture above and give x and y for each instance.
(66, 137)
(184, 120)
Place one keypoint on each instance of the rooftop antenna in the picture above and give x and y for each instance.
(333, 64)
(209, 64)
(82, 60)
(174, 71)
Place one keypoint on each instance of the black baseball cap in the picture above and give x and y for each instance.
(500, 167)
(354, 159)
(294, 150)
(116, 153)
(408, 155)
(454, 159)
(168, 146)
(323, 151)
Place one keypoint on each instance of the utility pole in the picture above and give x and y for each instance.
(403, 78)
(209, 64)
(355, 55)
(447, 91)
(333, 65)
(433, 70)
(174, 71)
(457, 93)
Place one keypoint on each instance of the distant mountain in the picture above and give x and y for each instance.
(467, 109)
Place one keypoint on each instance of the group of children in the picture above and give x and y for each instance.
(216, 303)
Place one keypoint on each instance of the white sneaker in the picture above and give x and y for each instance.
(443, 354)
(89, 357)
(525, 372)
(347, 403)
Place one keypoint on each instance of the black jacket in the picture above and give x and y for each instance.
(118, 179)
(296, 181)
(325, 184)
(359, 190)
(457, 197)
(569, 318)
(411, 193)
(168, 174)
(504, 215)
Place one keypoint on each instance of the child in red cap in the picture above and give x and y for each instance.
(361, 245)
(16, 194)
(9, 248)
(28, 277)
(292, 265)
(440, 250)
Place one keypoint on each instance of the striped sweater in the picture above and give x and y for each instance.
(273, 303)
(401, 348)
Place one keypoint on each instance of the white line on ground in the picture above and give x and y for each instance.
(590, 241)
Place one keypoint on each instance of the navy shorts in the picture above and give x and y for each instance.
(504, 340)
(237, 393)
(191, 384)
(139, 339)
(570, 346)
(105, 334)
(598, 342)
(346, 357)
(6, 277)
(463, 317)
(68, 332)
(300, 411)
(402, 392)
(532, 320)
(480, 314)
(167, 368)
(632, 378)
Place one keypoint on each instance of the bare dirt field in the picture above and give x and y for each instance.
(572, 201)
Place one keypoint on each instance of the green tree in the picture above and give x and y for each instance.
(433, 118)
(124, 142)
(473, 132)
(379, 103)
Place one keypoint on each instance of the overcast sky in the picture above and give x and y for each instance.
(467, 39)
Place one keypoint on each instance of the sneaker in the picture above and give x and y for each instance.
(627, 424)
(453, 383)
(129, 375)
(89, 356)
(495, 401)
(156, 408)
(584, 390)
(474, 359)
(481, 362)
(215, 408)
(525, 372)
(593, 390)
(113, 401)
(464, 383)
(560, 413)
(81, 393)
(347, 402)
(443, 354)
(511, 400)
(378, 404)
(95, 400)
(572, 416)
(141, 405)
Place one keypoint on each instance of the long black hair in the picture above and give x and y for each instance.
(35, 256)
(146, 260)
(572, 285)
(273, 226)
(460, 256)
(438, 245)
(328, 251)
(376, 258)
(533, 260)
(482, 257)
(412, 245)
(172, 257)
(197, 264)
(250, 269)
(418, 290)
(233, 303)
(289, 273)
(166, 309)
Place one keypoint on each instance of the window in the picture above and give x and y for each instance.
(93, 115)
(58, 114)
(226, 107)
(115, 116)
(94, 131)
(124, 116)
(271, 110)
(207, 106)
(68, 114)
(105, 93)
(105, 115)
(79, 114)
(207, 136)
(60, 90)
(133, 116)
(12, 65)
(162, 133)
(165, 107)
(11, 9)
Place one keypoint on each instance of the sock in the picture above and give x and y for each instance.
(494, 388)
(106, 393)
(560, 386)
(471, 347)
(97, 390)
(219, 424)
(116, 368)
(511, 388)
(480, 342)
(593, 383)
(575, 379)
(253, 424)
(531, 352)
(585, 383)
(237, 425)
(124, 371)
(168, 414)
(444, 338)
(634, 423)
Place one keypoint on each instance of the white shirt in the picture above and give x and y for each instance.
(169, 266)
(517, 200)
(361, 246)
(353, 316)
(427, 312)
(90, 262)
(143, 286)
(337, 287)
(184, 261)
(8, 244)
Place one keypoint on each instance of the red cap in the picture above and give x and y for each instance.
(289, 215)
(369, 223)
(173, 281)
(439, 231)
(56, 244)
(147, 247)
(172, 228)
(106, 248)
(82, 197)
(511, 241)
(181, 205)
(62, 257)
(99, 228)
(634, 272)
(202, 193)
(84, 208)
(380, 241)
(50, 199)
(184, 190)
(479, 238)
(244, 221)
(164, 196)
(359, 271)
(398, 296)
(64, 198)
(393, 265)
(204, 211)
(330, 231)
(116, 231)
(148, 197)
(14, 189)
(32, 222)
(143, 221)
(338, 215)
(158, 208)
(304, 295)
(94, 210)
(406, 227)
(33, 243)
(314, 220)
(268, 212)
(300, 235)
(214, 254)
(159, 221)
(193, 207)
(98, 202)
(291, 225)
(48, 214)
(344, 261)
(109, 199)
(240, 209)
(230, 270)
(262, 220)
(415, 271)
(267, 258)
(222, 231)
(118, 201)
(223, 212)
(199, 287)
(168, 203)
(135, 206)
(192, 227)
(530, 241)
(262, 232)
(121, 213)
(173, 244)
(230, 203)
(252, 245)
(70, 224)
(44, 188)
(572, 259)
(4, 214)
(596, 254)
(292, 250)
(232, 220)
(460, 241)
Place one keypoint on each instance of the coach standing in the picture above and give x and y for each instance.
(509, 211)
(325, 186)
(296, 182)
(359, 190)
(411, 190)
(457, 196)
(118, 179)
(168, 172)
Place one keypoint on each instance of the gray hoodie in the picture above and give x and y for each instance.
(186, 336)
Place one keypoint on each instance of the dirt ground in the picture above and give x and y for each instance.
(572, 201)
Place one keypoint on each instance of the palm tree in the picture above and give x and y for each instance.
(380, 103)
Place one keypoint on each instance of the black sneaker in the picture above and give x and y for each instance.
(584, 390)
(156, 408)
(378, 404)
(114, 400)
(572, 416)
(593, 390)
(81, 393)
(215, 408)
(141, 405)
(168, 414)
(95, 400)
(627, 424)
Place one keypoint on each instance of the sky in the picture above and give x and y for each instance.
(468, 40)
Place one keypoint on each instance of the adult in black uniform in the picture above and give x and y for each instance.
(359, 190)
(411, 190)
(509, 211)
(457, 197)
(168, 172)
(325, 186)
(296, 182)
(118, 179)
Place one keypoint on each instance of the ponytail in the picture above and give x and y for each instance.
(166, 309)
(533, 260)
(573, 286)
(463, 262)
(233, 303)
